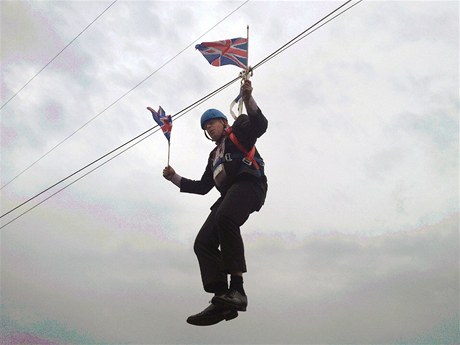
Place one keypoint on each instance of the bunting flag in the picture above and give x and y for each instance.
(163, 120)
(227, 52)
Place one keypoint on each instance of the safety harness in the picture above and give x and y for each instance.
(247, 157)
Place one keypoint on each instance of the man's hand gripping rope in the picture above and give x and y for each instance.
(244, 75)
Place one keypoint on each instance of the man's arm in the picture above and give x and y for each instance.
(248, 128)
(258, 121)
(249, 102)
(202, 186)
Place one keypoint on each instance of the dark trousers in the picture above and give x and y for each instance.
(218, 245)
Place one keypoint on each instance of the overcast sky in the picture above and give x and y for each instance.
(358, 240)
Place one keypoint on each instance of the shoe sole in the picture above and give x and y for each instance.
(209, 321)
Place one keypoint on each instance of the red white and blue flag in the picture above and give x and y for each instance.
(163, 120)
(228, 52)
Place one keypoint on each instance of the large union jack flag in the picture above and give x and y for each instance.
(228, 52)
(163, 120)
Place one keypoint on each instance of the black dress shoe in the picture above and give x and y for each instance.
(232, 299)
(212, 315)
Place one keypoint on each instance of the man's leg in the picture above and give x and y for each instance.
(209, 256)
(239, 202)
(214, 280)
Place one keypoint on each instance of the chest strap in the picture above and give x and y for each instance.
(249, 158)
(228, 157)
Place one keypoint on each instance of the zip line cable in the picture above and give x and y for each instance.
(68, 44)
(122, 96)
(178, 115)
(78, 179)
(305, 33)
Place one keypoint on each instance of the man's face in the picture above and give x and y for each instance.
(214, 128)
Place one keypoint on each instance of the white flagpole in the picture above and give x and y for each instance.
(246, 73)
(247, 60)
(169, 150)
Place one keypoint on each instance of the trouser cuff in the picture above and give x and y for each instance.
(216, 287)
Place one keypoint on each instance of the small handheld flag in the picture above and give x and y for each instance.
(165, 122)
(227, 52)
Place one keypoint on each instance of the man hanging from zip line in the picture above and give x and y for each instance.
(236, 169)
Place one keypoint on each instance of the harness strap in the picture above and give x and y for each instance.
(228, 157)
(249, 159)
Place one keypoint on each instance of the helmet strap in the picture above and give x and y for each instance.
(206, 135)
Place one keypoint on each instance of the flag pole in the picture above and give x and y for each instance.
(247, 58)
(169, 150)
(246, 72)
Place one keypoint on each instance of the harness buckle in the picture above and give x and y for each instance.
(246, 161)
(228, 157)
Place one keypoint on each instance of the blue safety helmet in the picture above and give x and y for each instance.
(211, 114)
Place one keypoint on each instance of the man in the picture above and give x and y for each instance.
(236, 169)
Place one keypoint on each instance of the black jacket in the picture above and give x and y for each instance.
(247, 128)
